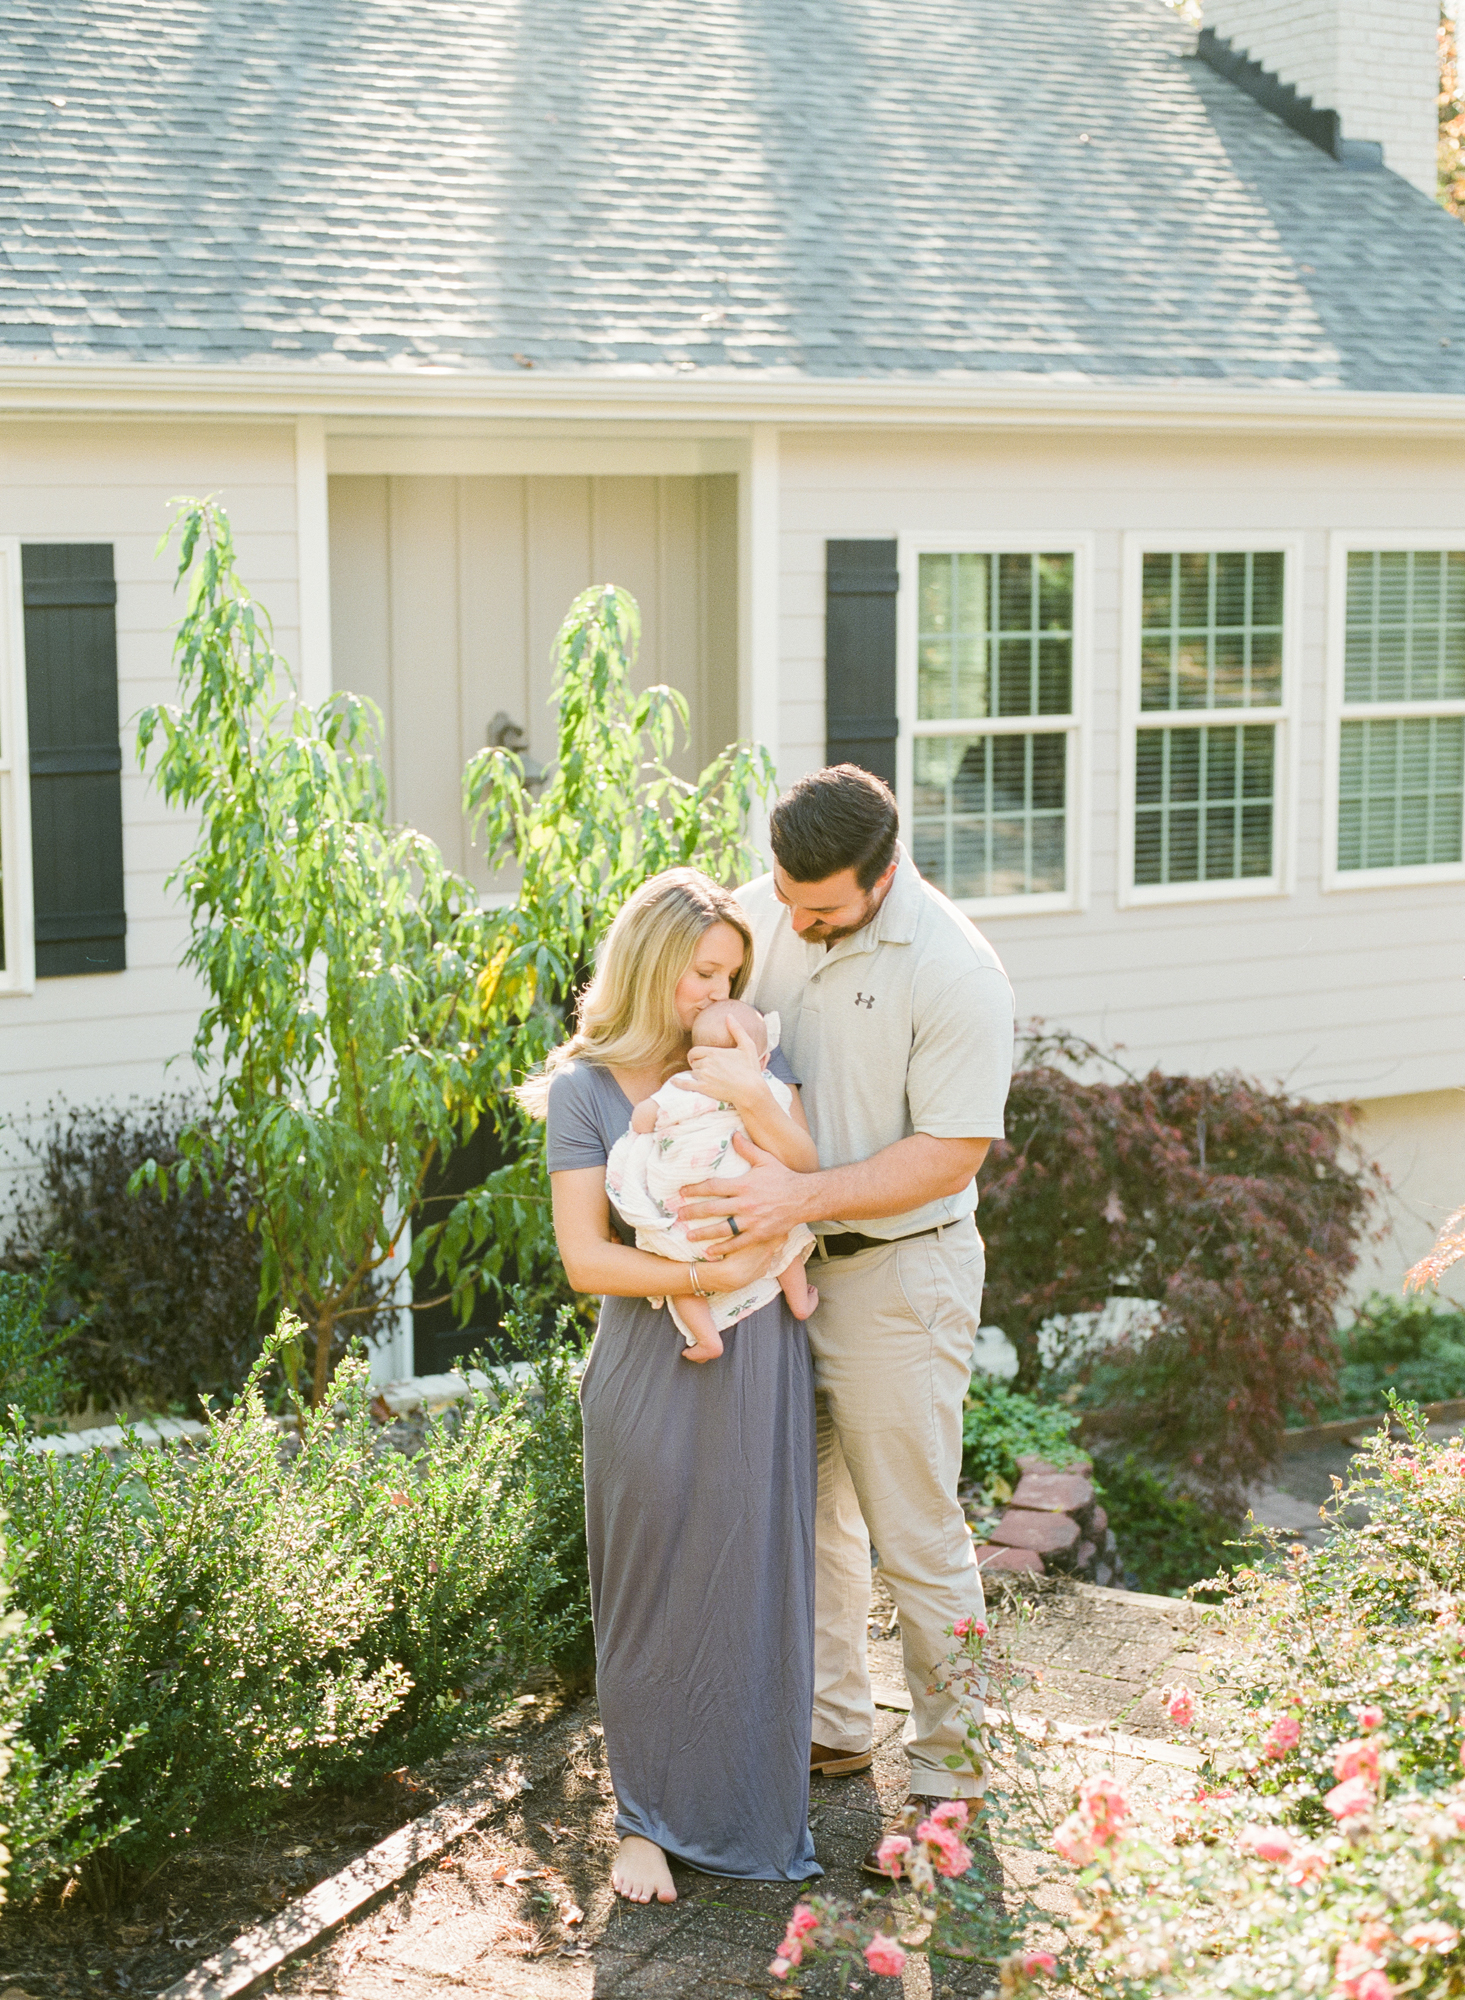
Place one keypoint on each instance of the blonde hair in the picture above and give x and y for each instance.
(627, 1017)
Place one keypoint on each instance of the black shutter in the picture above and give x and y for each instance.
(76, 757)
(861, 726)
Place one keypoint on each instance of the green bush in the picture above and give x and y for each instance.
(33, 1374)
(158, 1300)
(238, 1622)
(1000, 1425)
(1167, 1539)
(47, 1789)
(1411, 1346)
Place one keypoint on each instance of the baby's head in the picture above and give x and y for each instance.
(712, 1028)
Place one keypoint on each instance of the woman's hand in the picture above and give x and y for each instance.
(743, 1266)
(733, 1076)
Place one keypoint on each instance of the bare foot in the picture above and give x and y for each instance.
(702, 1352)
(641, 1871)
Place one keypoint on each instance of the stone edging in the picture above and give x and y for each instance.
(256, 1954)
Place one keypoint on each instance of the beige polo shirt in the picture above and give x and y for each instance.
(905, 1027)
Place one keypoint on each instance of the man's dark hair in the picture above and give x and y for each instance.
(834, 819)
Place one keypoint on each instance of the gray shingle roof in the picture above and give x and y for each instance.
(821, 188)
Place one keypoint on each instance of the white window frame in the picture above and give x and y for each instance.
(1138, 543)
(911, 546)
(1341, 544)
(19, 973)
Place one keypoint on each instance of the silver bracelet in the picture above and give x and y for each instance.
(697, 1290)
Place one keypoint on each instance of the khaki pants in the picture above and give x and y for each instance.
(893, 1341)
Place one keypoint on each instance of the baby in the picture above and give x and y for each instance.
(678, 1136)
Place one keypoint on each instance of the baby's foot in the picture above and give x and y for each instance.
(640, 1870)
(703, 1351)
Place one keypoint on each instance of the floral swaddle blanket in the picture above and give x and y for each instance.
(693, 1141)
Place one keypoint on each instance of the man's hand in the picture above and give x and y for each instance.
(768, 1202)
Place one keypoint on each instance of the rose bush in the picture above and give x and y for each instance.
(1322, 1850)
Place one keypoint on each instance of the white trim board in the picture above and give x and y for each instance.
(584, 456)
(911, 546)
(1342, 542)
(19, 973)
(1137, 543)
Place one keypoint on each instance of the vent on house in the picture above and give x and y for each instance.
(1323, 128)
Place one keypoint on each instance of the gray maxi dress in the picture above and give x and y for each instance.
(699, 1514)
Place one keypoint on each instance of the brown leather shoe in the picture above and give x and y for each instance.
(916, 1808)
(827, 1763)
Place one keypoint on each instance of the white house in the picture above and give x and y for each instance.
(1063, 418)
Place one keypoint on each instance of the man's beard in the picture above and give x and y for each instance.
(832, 933)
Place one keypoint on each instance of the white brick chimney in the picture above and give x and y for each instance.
(1374, 62)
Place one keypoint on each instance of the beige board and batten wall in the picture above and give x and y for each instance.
(447, 592)
(107, 1037)
(1341, 993)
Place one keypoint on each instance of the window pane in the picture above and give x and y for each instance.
(1406, 626)
(988, 813)
(1211, 632)
(951, 647)
(1401, 788)
(1203, 804)
(996, 636)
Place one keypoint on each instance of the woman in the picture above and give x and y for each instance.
(699, 1481)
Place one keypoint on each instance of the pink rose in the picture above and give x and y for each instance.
(951, 1857)
(1306, 1865)
(780, 1968)
(1104, 1804)
(1374, 1985)
(1179, 1706)
(1352, 1962)
(883, 1954)
(1358, 1759)
(951, 1812)
(1267, 1843)
(802, 1921)
(1369, 1717)
(1038, 1961)
(1285, 1734)
(1074, 1841)
(889, 1854)
(1353, 1799)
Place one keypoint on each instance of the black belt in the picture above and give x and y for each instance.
(848, 1242)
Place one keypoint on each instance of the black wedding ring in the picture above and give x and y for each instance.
(732, 1223)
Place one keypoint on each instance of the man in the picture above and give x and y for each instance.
(898, 1020)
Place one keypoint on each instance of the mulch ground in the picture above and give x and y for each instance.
(522, 1909)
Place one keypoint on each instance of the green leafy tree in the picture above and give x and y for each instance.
(610, 815)
(364, 1013)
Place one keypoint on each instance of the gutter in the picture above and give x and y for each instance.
(51, 388)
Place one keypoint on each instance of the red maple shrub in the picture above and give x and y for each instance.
(1234, 1209)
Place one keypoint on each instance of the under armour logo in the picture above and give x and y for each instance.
(864, 999)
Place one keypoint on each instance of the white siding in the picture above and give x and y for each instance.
(1419, 1141)
(1374, 62)
(447, 593)
(1345, 994)
(111, 1035)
